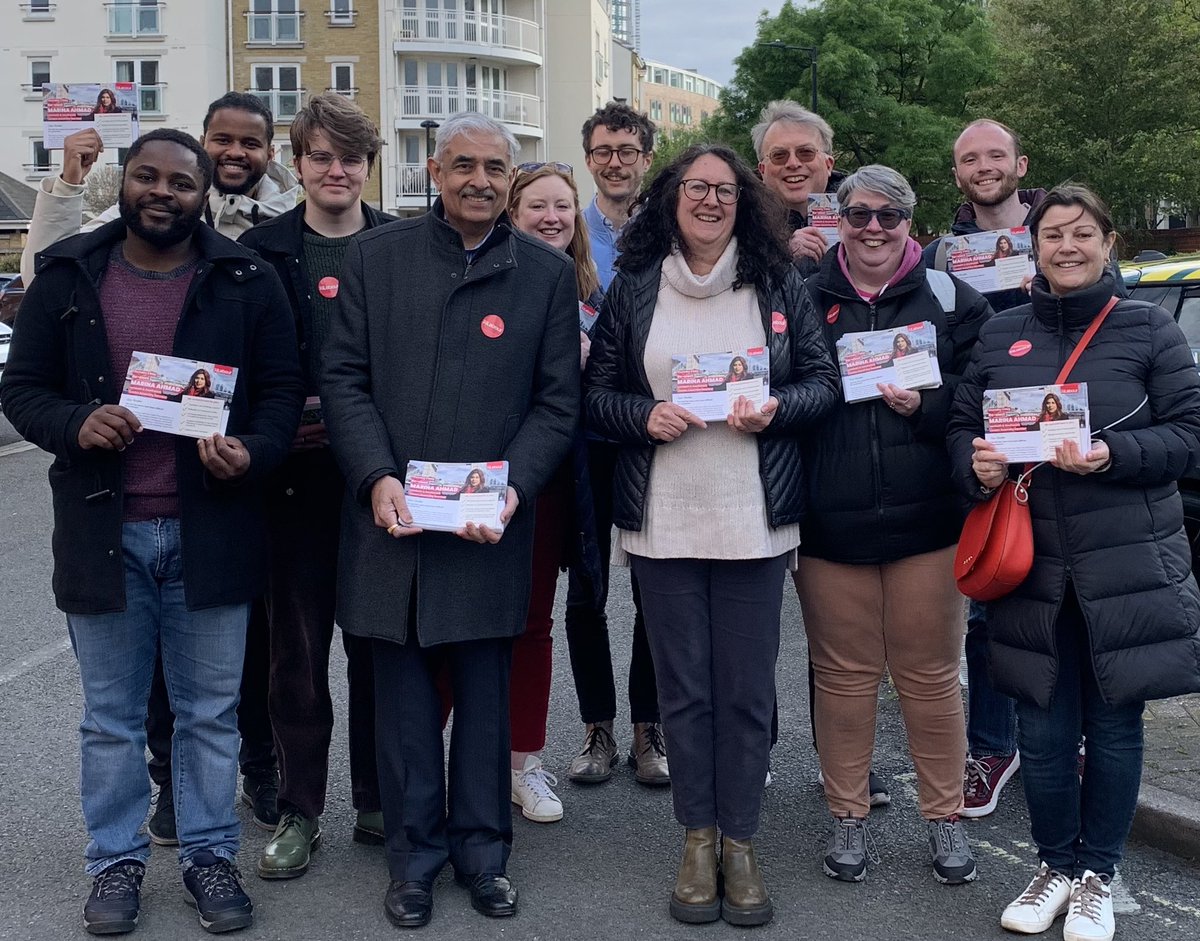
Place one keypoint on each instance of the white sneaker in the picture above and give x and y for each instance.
(1034, 910)
(1090, 914)
(531, 792)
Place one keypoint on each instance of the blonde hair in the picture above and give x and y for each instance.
(587, 282)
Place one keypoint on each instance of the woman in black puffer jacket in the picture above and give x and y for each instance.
(1108, 616)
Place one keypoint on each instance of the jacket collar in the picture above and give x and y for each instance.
(965, 222)
(285, 234)
(831, 279)
(1075, 310)
(448, 237)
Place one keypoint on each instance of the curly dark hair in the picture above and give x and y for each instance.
(618, 116)
(760, 225)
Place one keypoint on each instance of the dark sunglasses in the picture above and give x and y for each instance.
(860, 217)
(534, 167)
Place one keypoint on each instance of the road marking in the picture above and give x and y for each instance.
(1122, 899)
(1167, 903)
(16, 448)
(999, 852)
(35, 660)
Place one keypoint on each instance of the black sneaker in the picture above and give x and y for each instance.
(162, 822)
(214, 887)
(260, 792)
(113, 906)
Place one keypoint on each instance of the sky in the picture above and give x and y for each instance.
(704, 35)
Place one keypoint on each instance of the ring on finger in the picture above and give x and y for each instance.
(391, 530)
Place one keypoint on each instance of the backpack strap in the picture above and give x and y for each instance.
(942, 286)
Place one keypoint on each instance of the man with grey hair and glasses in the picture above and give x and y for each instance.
(795, 159)
(455, 339)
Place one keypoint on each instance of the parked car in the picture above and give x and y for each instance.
(12, 292)
(5, 341)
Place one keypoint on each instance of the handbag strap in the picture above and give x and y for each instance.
(1085, 340)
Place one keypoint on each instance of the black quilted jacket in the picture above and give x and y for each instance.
(1117, 536)
(618, 400)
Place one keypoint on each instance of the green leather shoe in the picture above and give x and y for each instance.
(368, 828)
(287, 853)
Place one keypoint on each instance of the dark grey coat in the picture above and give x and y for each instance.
(408, 374)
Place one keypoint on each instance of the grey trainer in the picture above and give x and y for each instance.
(846, 853)
(953, 861)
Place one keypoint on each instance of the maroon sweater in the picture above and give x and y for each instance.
(141, 310)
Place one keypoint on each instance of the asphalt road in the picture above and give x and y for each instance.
(605, 869)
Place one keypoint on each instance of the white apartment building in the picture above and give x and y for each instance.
(176, 51)
(539, 66)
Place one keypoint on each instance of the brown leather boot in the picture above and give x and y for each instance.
(695, 900)
(746, 900)
(648, 755)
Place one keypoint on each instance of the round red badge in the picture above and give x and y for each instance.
(831, 315)
(492, 326)
(1020, 348)
(778, 322)
(328, 287)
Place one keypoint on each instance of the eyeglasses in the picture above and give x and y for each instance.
(860, 217)
(534, 167)
(351, 163)
(696, 190)
(603, 154)
(779, 155)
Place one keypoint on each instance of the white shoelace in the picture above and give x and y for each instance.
(539, 781)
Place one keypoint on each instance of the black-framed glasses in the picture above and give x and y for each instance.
(696, 190)
(860, 217)
(780, 155)
(534, 166)
(627, 155)
(351, 163)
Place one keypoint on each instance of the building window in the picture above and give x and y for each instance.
(274, 22)
(38, 9)
(39, 164)
(145, 73)
(341, 76)
(655, 110)
(134, 18)
(279, 88)
(341, 13)
(39, 75)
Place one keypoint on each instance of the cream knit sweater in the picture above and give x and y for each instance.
(705, 497)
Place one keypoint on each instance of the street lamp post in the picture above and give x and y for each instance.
(430, 126)
(812, 61)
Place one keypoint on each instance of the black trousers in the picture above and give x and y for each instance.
(470, 823)
(587, 625)
(257, 752)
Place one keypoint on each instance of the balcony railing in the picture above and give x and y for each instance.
(37, 170)
(134, 20)
(410, 180)
(32, 92)
(350, 93)
(483, 29)
(273, 29)
(507, 107)
(38, 11)
(284, 104)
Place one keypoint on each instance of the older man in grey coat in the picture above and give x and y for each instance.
(455, 339)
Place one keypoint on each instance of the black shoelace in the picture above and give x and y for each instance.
(654, 738)
(596, 740)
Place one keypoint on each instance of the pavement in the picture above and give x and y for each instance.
(1168, 814)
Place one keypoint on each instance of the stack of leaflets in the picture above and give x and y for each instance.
(902, 356)
(313, 414)
(999, 260)
(823, 215)
(179, 396)
(707, 384)
(110, 107)
(445, 497)
(587, 317)
(1027, 423)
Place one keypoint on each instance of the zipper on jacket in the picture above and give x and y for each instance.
(876, 458)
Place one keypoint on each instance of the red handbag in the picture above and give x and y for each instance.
(995, 550)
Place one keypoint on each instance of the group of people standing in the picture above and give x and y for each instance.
(511, 323)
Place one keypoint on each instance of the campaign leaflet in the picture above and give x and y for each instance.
(1027, 423)
(587, 317)
(707, 384)
(902, 356)
(445, 497)
(823, 215)
(111, 108)
(179, 396)
(998, 260)
(312, 414)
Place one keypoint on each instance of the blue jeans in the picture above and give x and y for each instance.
(991, 716)
(202, 655)
(1078, 827)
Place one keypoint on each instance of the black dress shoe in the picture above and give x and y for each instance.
(491, 894)
(409, 904)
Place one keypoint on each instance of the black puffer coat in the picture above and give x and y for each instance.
(618, 400)
(880, 487)
(1117, 535)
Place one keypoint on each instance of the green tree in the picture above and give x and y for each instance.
(894, 78)
(671, 144)
(1104, 93)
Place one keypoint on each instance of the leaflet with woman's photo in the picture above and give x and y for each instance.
(1026, 424)
(707, 384)
(111, 108)
(903, 356)
(445, 497)
(823, 215)
(999, 260)
(179, 396)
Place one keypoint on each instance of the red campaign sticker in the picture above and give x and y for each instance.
(492, 326)
(328, 287)
(778, 322)
(831, 315)
(1020, 348)
(1070, 388)
(223, 370)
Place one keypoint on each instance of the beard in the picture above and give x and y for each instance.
(237, 189)
(179, 229)
(1008, 186)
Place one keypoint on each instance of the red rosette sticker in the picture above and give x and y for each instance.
(778, 322)
(1020, 348)
(328, 287)
(831, 315)
(492, 326)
